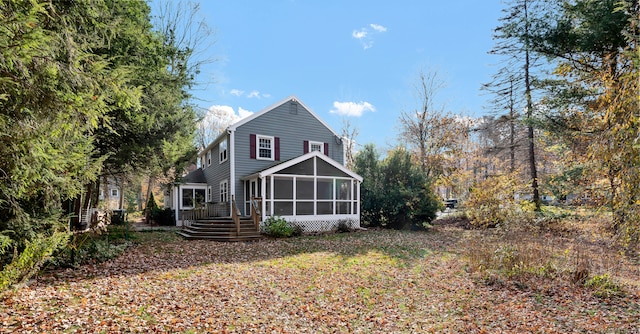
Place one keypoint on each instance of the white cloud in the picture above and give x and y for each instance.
(378, 27)
(254, 94)
(359, 34)
(351, 108)
(365, 35)
(236, 92)
(243, 113)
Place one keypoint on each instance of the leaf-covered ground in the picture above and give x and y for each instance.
(364, 282)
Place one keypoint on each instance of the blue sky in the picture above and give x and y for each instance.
(353, 59)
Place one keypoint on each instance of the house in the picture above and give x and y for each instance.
(286, 156)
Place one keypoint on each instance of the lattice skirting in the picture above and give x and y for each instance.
(322, 224)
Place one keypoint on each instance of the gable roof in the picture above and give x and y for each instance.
(245, 120)
(286, 164)
(293, 98)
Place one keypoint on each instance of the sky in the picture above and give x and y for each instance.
(348, 60)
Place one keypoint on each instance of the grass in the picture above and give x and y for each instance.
(445, 280)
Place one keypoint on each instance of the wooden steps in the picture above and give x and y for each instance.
(221, 229)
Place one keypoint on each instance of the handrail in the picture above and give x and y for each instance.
(235, 214)
(256, 214)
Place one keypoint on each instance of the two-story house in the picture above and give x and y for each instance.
(287, 156)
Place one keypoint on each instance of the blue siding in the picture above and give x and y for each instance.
(217, 171)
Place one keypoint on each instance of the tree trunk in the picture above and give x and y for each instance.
(530, 133)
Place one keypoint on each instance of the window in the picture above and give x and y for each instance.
(209, 194)
(310, 146)
(209, 158)
(222, 147)
(191, 197)
(265, 148)
(114, 193)
(224, 191)
(316, 146)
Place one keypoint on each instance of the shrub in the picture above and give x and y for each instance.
(278, 227)
(163, 217)
(93, 247)
(604, 286)
(31, 259)
(491, 202)
(344, 226)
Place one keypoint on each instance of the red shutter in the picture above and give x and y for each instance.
(252, 146)
(306, 147)
(277, 148)
(326, 149)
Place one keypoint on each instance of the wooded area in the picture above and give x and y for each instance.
(88, 90)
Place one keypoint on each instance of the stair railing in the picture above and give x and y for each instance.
(235, 214)
(256, 214)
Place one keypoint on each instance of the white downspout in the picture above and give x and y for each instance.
(232, 166)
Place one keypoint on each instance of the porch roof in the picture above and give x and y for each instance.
(195, 176)
(286, 164)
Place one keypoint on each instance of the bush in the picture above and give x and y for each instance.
(491, 202)
(278, 227)
(31, 259)
(163, 217)
(93, 247)
(604, 286)
(344, 226)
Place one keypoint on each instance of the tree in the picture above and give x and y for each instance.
(349, 134)
(54, 93)
(515, 43)
(595, 47)
(395, 193)
(367, 165)
(433, 136)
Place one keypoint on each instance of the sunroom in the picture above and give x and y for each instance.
(311, 191)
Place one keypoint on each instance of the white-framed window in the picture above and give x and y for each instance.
(209, 194)
(190, 197)
(113, 192)
(224, 191)
(222, 147)
(264, 147)
(208, 158)
(316, 146)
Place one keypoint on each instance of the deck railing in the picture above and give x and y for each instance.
(206, 210)
(235, 214)
(256, 213)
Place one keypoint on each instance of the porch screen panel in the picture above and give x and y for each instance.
(304, 208)
(283, 208)
(268, 188)
(302, 168)
(325, 189)
(343, 188)
(325, 208)
(304, 188)
(282, 187)
(325, 169)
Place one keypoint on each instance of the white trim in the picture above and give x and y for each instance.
(209, 158)
(272, 145)
(226, 151)
(304, 157)
(192, 186)
(209, 194)
(232, 165)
